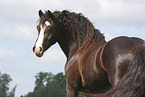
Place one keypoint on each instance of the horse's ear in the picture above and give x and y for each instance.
(50, 15)
(41, 13)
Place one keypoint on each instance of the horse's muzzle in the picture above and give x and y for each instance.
(38, 51)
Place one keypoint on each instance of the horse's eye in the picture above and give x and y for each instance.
(48, 27)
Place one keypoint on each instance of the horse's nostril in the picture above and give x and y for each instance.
(33, 48)
(40, 48)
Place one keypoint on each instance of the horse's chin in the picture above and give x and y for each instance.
(39, 55)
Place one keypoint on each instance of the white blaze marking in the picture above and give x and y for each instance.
(41, 35)
(47, 23)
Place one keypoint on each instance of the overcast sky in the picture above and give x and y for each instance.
(18, 20)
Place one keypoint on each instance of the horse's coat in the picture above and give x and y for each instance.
(94, 67)
(120, 59)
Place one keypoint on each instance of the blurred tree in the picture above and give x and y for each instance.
(12, 92)
(56, 88)
(49, 85)
(40, 79)
(2, 94)
(60, 78)
(4, 84)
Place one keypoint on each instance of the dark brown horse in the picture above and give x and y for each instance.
(94, 67)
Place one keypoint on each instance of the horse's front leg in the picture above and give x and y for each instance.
(73, 84)
(71, 91)
(73, 78)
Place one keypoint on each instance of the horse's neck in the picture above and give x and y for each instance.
(68, 46)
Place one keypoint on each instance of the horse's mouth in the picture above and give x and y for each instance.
(39, 55)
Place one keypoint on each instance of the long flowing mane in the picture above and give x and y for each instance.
(78, 27)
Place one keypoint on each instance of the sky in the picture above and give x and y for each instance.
(18, 21)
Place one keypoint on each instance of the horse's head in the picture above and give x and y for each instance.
(47, 33)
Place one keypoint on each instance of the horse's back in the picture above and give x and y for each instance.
(117, 55)
(138, 41)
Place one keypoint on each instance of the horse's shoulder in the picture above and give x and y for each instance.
(73, 60)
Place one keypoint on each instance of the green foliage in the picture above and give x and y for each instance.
(4, 86)
(4, 82)
(49, 85)
(2, 94)
(41, 79)
(12, 93)
(56, 87)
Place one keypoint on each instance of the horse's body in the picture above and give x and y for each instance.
(91, 79)
(93, 65)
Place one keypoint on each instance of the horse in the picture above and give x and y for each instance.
(94, 67)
